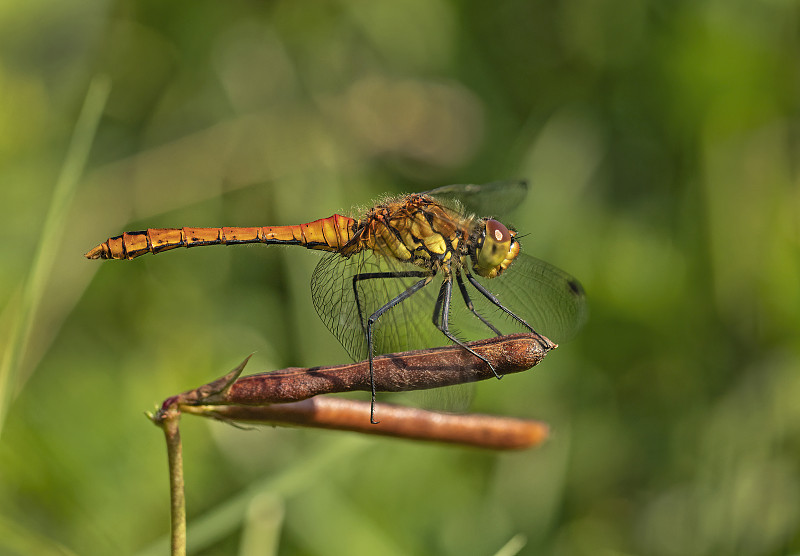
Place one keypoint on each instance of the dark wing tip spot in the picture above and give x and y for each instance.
(576, 288)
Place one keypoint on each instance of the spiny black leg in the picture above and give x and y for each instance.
(443, 324)
(438, 307)
(371, 275)
(470, 306)
(371, 321)
(488, 295)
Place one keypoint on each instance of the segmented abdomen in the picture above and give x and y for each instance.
(326, 234)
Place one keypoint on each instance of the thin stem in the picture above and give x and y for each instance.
(168, 419)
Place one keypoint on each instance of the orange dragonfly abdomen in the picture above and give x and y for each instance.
(326, 234)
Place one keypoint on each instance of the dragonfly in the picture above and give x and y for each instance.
(387, 281)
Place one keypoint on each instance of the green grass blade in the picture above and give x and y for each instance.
(42, 265)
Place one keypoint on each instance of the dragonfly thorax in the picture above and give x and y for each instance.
(418, 230)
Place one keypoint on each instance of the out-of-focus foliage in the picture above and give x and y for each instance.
(661, 139)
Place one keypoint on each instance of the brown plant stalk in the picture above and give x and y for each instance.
(292, 397)
(287, 397)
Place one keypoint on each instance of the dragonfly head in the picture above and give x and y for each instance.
(495, 248)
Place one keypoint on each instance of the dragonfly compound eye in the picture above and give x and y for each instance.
(496, 244)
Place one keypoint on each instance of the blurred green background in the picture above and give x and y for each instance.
(661, 140)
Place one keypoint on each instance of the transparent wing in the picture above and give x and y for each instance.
(408, 325)
(494, 199)
(546, 297)
(549, 299)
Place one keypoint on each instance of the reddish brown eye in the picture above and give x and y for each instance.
(497, 231)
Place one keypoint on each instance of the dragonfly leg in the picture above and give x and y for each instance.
(377, 314)
(488, 295)
(371, 275)
(470, 306)
(441, 320)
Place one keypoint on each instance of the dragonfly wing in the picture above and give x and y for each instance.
(549, 299)
(408, 325)
(495, 199)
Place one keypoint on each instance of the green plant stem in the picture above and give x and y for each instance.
(176, 487)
